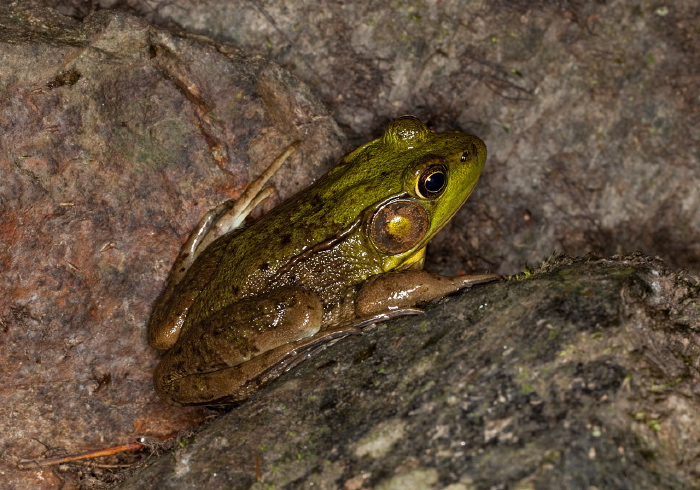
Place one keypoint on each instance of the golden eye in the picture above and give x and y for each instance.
(432, 182)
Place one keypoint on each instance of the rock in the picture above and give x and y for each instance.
(581, 374)
(115, 138)
(589, 109)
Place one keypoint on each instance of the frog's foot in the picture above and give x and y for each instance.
(387, 315)
(231, 214)
(303, 349)
(396, 292)
(226, 217)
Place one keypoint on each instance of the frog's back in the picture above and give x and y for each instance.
(291, 239)
(318, 237)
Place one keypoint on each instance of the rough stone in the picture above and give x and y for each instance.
(581, 374)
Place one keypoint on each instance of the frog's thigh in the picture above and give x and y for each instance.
(404, 290)
(171, 308)
(234, 337)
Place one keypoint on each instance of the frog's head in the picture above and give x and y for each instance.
(436, 172)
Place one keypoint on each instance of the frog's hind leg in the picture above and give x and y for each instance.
(220, 388)
(231, 214)
(226, 217)
(220, 359)
(170, 309)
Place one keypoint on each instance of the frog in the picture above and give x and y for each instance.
(246, 301)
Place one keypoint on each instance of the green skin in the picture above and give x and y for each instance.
(241, 306)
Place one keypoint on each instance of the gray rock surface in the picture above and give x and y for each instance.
(583, 374)
(590, 110)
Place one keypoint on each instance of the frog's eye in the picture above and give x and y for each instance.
(431, 182)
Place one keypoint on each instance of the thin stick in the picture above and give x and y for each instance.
(28, 464)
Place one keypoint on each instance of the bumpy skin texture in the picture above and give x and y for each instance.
(242, 307)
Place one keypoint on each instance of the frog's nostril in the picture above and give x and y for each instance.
(475, 150)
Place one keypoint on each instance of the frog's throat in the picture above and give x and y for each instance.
(319, 247)
(414, 261)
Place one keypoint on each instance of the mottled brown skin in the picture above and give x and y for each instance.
(243, 305)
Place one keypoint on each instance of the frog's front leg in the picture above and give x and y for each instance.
(229, 354)
(399, 293)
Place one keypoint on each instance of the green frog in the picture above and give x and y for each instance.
(245, 303)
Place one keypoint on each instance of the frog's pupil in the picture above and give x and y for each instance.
(435, 182)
